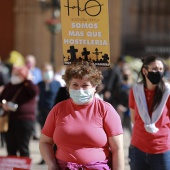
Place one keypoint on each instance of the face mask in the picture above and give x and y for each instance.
(16, 79)
(155, 77)
(81, 96)
(48, 75)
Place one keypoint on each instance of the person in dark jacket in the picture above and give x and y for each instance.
(48, 91)
(21, 92)
(62, 94)
(5, 74)
(113, 81)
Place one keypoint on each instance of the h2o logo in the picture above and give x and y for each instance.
(87, 8)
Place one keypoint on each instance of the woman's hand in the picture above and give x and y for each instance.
(46, 148)
(5, 105)
(53, 167)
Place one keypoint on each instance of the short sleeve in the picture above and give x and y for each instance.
(168, 103)
(49, 125)
(112, 122)
(131, 99)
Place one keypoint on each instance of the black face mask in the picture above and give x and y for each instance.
(155, 77)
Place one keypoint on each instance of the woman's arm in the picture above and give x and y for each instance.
(132, 115)
(46, 150)
(132, 106)
(116, 145)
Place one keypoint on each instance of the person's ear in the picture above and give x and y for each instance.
(95, 89)
(144, 71)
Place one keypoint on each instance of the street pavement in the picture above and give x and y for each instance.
(36, 157)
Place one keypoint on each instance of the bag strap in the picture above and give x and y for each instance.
(16, 94)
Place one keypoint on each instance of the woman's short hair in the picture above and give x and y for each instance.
(80, 69)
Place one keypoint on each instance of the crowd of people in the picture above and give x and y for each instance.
(83, 110)
(33, 90)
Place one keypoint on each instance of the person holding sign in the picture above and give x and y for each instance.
(86, 130)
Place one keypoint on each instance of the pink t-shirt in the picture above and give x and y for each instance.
(81, 131)
(156, 142)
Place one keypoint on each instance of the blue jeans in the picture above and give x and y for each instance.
(139, 160)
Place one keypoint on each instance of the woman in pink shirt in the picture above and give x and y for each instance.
(84, 128)
(149, 103)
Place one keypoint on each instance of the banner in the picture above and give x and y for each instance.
(85, 31)
(15, 163)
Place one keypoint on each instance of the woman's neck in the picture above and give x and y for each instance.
(150, 86)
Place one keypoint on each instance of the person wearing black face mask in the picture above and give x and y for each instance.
(149, 103)
(155, 76)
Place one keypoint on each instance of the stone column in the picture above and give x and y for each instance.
(115, 21)
(31, 33)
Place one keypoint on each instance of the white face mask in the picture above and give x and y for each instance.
(48, 75)
(81, 96)
(16, 79)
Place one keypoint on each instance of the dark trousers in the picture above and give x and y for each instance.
(2, 141)
(143, 161)
(18, 137)
(43, 113)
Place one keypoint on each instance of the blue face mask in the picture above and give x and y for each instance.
(48, 75)
(81, 96)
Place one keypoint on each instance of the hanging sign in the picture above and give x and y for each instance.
(85, 31)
